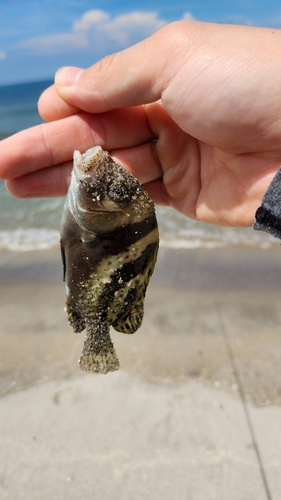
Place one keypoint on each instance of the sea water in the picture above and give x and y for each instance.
(33, 224)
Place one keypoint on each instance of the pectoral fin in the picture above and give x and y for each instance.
(63, 258)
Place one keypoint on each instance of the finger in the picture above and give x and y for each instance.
(179, 156)
(157, 192)
(52, 107)
(54, 181)
(53, 143)
(137, 75)
(48, 182)
(141, 161)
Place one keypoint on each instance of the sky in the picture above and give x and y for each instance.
(38, 37)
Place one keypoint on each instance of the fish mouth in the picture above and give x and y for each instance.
(104, 210)
(110, 208)
(85, 164)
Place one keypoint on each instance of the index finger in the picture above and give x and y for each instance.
(53, 143)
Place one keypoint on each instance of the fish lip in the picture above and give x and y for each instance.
(102, 210)
(86, 164)
(106, 211)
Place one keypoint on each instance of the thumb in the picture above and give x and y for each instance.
(134, 76)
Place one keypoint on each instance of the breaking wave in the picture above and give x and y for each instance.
(31, 239)
(26, 240)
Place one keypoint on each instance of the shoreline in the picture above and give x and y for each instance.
(197, 302)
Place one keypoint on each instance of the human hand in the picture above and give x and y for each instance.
(209, 94)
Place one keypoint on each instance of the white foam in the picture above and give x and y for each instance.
(25, 240)
(178, 231)
(201, 239)
(172, 235)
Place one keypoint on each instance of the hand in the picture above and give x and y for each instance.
(210, 94)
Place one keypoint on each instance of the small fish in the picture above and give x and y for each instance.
(268, 215)
(109, 245)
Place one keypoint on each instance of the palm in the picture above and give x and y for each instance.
(230, 188)
(211, 185)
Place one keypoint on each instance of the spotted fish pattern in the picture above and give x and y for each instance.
(109, 245)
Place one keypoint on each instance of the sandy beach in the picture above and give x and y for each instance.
(194, 412)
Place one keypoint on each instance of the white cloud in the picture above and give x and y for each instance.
(51, 44)
(90, 18)
(3, 55)
(125, 29)
(97, 31)
(187, 16)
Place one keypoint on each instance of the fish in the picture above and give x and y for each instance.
(109, 243)
(268, 215)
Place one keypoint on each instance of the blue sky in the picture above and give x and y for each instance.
(37, 37)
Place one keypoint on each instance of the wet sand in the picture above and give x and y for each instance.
(196, 402)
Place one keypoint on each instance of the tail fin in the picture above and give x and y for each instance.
(98, 354)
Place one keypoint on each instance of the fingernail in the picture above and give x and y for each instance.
(67, 76)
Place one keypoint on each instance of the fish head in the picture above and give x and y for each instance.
(102, 193)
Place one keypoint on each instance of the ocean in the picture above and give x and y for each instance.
(34, 224)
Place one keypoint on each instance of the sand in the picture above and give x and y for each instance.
(194, 411)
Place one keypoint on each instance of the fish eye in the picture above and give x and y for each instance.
(119, 193)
